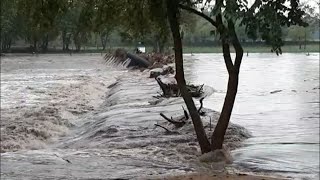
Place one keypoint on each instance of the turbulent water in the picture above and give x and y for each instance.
(76, 117)
(93, 120)
(278, 101)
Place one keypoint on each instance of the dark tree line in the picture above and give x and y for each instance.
(77, 23)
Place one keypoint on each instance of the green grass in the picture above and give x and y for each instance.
(312, 48)
(255, 49)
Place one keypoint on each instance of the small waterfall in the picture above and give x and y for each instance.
(115, 62)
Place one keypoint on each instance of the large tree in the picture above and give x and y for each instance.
(262, 17)
(9, 22)
(39, 19)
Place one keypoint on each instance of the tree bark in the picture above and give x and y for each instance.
(226, 34)
(45, 42)
(300, 43)
(233, 81)
(35, 49)
(77, 41)
(172, 8)
(103, 39)
(64, 37)
(223, 122)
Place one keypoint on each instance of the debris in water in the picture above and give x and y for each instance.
(276, 91)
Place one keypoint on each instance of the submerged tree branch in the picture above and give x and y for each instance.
(201, 105)
(167, 130)
(176, 123)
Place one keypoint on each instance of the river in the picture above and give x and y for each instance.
(80, 132)
(278, 101)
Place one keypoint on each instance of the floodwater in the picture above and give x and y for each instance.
(74, 117)
(278, 101)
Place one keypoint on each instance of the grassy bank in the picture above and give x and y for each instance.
(311, 48)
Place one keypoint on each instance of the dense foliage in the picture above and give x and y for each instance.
(37, 23)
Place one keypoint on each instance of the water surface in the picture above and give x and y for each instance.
(278, 101)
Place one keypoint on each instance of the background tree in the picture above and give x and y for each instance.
(9, 23)
(303, 34)
(66, 23)
(173, 14)
(39, 17)
(83, 22)
(105, 19)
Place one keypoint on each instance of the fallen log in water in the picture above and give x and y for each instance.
(137, 61)
(180, 121)
(121, 55)
(161, 71)
(169, 87)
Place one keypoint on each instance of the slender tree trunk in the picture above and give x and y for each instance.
(64, 36)
(172, 8)
(68, 40)
(300, 43)
(227, 35)
(223, 122)
(9, 44)
(305, 40)
(45, 43)
(103, 41)
(35, 49)
(233, 81)
(77, 42)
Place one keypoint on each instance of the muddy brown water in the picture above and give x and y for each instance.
(72, 126)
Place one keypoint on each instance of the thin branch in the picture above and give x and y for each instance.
(225, 45)
(201, 104)
(177, 123)
(185, 113)
(236, 44)
(210, 124)
(63, 159)
(163, 128)
(187, 8)
(161, 84)
(201, 88)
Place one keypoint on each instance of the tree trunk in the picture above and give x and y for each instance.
(223, 122)
(300, 43)
(233, 71)
(9, 44)
(103, 41)
(35, 46)
(172, 8)
(305, 40)
(64, 36)
(77, 43)
(45, 42)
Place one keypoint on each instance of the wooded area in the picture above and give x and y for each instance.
(39, 25)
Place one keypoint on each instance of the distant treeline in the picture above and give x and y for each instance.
(80, 25)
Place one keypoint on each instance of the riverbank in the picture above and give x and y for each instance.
(311, 47)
